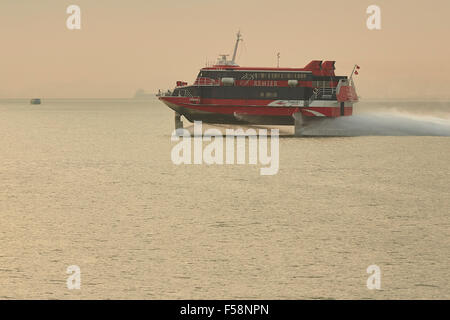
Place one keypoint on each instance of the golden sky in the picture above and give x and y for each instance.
(150, 44)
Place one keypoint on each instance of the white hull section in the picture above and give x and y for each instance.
(301, 103)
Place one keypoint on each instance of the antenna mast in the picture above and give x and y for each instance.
(239, 38)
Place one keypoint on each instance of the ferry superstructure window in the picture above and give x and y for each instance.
(300, 75)
(270, 94)
(210, 74)
(275, 75)
(321, 84)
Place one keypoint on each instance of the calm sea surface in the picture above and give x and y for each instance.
(91, 183)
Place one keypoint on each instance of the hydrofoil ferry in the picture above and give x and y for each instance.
(227, 93)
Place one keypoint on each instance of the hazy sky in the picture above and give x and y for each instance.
(150, 44)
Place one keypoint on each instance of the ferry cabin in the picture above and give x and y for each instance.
(261, 84)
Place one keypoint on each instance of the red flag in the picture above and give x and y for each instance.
(357, 67)
(356, 72)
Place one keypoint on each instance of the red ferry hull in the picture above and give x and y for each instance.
(261, 112)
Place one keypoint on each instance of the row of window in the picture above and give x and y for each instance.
(275, 75)
(241, 75)
(321, 84)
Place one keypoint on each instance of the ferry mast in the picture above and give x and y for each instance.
(239, 38)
